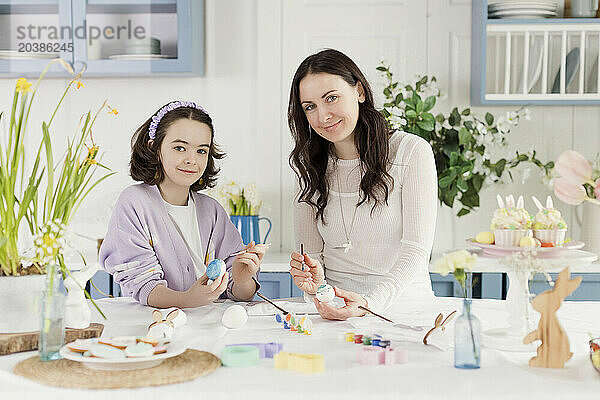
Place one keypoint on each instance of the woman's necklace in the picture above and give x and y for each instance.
(348, 245)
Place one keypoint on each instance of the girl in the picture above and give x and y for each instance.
(163, 232)
(366, 199)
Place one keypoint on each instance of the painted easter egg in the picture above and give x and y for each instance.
(234, 317)
(325, 293)
(215, 269)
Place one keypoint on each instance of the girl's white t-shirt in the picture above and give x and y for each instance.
(186, 222)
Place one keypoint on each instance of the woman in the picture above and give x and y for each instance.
(366, 198)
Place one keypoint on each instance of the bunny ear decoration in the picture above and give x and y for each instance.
(510, 201)
(500, 201)
(157, 316)
(172, 315)
(520, 202)
(549, 204)
(537, 203)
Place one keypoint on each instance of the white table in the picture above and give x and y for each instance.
(429, 373)
(280, 262)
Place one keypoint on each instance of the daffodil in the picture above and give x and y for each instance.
(80, 84)
(23, 86)
(112, 110)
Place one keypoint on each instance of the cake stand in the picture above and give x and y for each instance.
(518, 265)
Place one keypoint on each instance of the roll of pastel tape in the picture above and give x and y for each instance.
(371, 355)
(240, 356)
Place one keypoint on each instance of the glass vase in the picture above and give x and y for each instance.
(52, 331)
(467, 339)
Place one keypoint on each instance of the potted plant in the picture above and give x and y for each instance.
(461, 141)
(243, 205)
(25, 207)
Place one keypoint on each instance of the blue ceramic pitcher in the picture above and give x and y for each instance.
(248, 225)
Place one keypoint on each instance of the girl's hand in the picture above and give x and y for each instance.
(245, 266)
(307, 277)
(352, 300)
(200, 294)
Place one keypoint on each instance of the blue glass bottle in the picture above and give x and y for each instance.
(52, 307)
(467, 339)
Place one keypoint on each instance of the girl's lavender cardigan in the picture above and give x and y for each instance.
(141, 230)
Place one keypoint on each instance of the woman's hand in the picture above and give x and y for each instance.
(309, 276)
(200, 294)
(246, 265)
(352, 300)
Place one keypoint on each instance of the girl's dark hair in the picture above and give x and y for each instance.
(145, 165)
(310, 155)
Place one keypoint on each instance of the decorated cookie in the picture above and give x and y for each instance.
(140, 350)
(106, 351)
(120, 342)
(81, 345)
(234, 317)
(150, 340)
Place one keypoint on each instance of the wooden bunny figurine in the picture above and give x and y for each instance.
(554, 350)
(77, 311)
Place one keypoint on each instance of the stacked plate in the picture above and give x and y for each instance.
(522, 9)
(17, 55)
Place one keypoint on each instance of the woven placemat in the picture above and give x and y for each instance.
(72, 374)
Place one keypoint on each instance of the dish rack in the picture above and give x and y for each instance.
(534, 61)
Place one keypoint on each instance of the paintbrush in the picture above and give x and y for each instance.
(237, 253)
(271, 303)
(414, 328)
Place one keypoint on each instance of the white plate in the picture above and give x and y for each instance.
(526, 4)
(591, 85)
(139, 57)
(572, 63)
(17, 55)
(522, 14)
(535, 65)
(129, 363)
(543, 252)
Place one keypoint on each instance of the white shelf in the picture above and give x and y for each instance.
(530, 61)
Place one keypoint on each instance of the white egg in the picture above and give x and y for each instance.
(234, 317)
(325, 293)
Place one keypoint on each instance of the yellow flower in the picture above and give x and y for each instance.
(112, 110)
(91, 157)
(23, 86)
(457, 259)
(80, 85)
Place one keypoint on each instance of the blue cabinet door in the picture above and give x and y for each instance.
(588, 290)
(28, 40)
(274, 285)
(103, 286)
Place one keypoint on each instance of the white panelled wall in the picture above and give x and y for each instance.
(252, 50)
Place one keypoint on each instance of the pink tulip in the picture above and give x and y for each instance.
(573, 166)
(597, 189)
(568, 192)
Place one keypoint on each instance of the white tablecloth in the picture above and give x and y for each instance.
(429, 373)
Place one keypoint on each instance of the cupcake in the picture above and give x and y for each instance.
(548, 224)
(510, 223)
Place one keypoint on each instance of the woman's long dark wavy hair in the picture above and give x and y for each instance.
(309, 157)
(145, 165)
